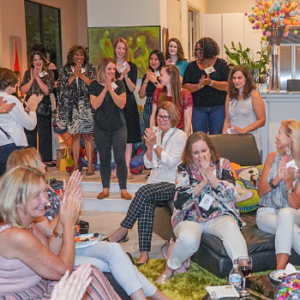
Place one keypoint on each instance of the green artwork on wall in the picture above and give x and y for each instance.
(141, 41)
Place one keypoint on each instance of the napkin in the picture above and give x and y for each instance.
(223, 291)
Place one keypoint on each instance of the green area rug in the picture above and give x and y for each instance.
(186, 286)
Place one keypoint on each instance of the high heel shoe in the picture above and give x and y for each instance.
(124, 239)
(162, 279)
(143, 263)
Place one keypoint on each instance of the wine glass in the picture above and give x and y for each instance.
(245, 267)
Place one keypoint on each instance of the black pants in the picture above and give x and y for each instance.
(117, 140)
(5, 152)
(44, 130)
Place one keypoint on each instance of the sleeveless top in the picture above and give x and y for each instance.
(242, 115)
(277, 198)
(15, 276)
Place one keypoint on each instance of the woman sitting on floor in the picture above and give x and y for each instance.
(163, 154)
(204, 202)
(26, 255)
(108, 257)
(279, 190)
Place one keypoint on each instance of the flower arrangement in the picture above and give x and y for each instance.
(274, 18)
(259, 68)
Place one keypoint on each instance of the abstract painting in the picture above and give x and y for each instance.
(141, 41)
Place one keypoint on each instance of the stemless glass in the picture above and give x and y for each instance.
(245, 267)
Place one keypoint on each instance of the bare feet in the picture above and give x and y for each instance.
(120, 233)
(129, 174)
(113, 174)
(144, 257)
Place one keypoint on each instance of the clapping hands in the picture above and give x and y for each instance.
(150, 138)
(33, 102)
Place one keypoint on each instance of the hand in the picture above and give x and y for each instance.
(152, 77)
(236, 129)
(33, 102)
(205, 80)
(74, 182)
(126, 70)
(205, 166)
(32, 74)
(4, 107)
(289, 177)
(281, 169)
(77, 71)
(73, 287)
(70, 208)
(168, 61)
(204, 177)
(150, 138)
(108, 84)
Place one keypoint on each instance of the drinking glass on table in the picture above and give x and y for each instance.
(245, 266)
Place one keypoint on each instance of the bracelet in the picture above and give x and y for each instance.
(272, 185)
(126, 76)
(211, 83)
(146, 82)
(58, 235)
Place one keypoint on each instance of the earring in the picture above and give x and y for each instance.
(288, 151)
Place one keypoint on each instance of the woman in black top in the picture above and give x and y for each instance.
(150, 82)
(108, 98)
(38, 80)
(127, 71)
(206, 78)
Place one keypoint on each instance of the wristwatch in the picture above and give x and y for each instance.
(155, 146)
(156, 83)
(272, 185)
(290, 191)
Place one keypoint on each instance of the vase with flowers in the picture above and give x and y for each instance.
(274, 19)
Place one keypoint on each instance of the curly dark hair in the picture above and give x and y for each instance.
(160, 57)
(249, 84)
(71, 53)
(180, 53)
(40, 54)
(208, 47)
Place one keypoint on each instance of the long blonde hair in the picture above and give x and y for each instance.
(172, 71)
(25, 157)
(18, 186)
(292, 130)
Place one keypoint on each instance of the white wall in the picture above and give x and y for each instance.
(229, 6)
(12, 23)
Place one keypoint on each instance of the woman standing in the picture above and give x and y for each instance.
(13, 121)
(206, 78)
(244, 108)
(74, 109)
(108, 98)
(164, 150)
(175, 55)
(172, 91)
(204, 202)
(279, 190)
(150, 82)
(38, 80)
(127, 71)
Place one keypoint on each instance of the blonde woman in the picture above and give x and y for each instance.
(279, 190)
(108, 98)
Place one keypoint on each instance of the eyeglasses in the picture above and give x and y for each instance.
(165, 118)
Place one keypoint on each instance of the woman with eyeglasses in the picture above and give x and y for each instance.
(164, 150)
(206, 78)
(172, 91)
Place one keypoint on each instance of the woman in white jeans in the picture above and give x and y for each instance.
(204, 202)
(280, 193)
(108, 257)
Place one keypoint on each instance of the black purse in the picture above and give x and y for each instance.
(43, 110)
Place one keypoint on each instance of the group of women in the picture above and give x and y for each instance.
(184, 168)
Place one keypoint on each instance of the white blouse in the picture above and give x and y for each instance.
(172, 145)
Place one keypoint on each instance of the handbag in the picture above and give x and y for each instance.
(66, 161)
(43, 109)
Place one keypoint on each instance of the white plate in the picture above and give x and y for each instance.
(84, 244)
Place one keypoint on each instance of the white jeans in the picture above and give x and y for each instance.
(189, 233)
(110, 257)
(284, 224)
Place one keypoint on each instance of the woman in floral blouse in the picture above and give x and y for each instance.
(38, 80)
(204, 202)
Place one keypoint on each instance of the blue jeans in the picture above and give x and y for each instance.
(5, 152)
(208, 119)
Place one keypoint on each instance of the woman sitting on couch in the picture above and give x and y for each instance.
(279, 190)
(204, 202)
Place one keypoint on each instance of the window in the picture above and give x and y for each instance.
(43, 26)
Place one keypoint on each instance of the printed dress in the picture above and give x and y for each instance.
(75, 112)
